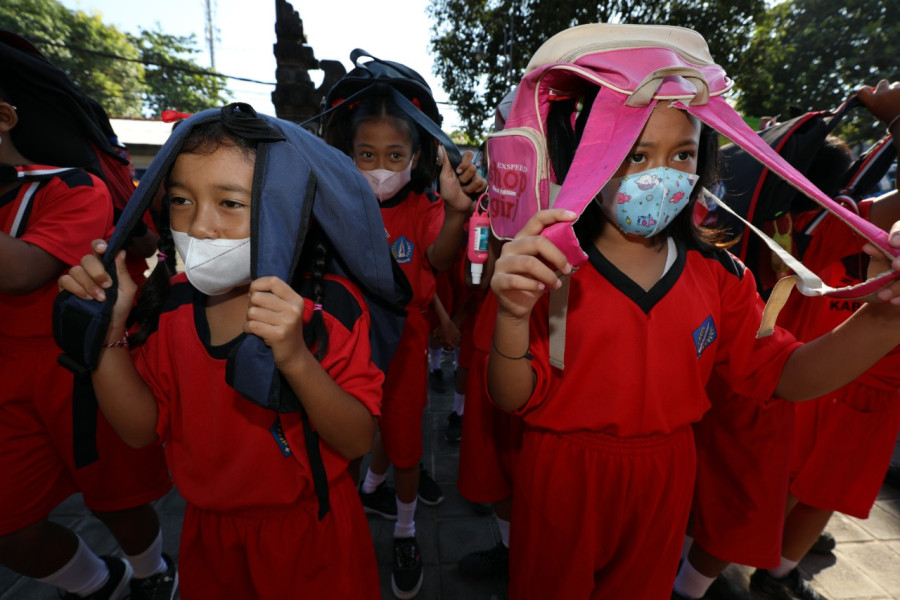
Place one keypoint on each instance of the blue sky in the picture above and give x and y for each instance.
(396, 30)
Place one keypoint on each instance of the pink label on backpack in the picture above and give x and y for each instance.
(517, 179)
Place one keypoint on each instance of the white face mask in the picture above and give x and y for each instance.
(214, 266)
(387, 183)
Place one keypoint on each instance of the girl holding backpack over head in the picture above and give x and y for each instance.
(605, 475)
(271, 510)
(402, 160)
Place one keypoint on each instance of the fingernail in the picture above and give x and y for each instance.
(570, 214)
(101, 296)
(106, 285)
(101, 246)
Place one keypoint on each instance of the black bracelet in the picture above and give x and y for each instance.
(507, 356)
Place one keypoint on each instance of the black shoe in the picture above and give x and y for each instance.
(789, 587)
(453, 433)
(436, 381)
(824, 545)
(407, 575)
(482, 508)
(723, 588)
(486, 563)
(157, 587)
(382, 501)
(116, 587)
(430, 492)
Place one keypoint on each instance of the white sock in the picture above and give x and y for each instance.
(690, 582)
(406, 519)
(372, 481)
(783, 569)
(149, 562)
(459, 403)
(686, 547)
(503, 526)
(434, 359)
(84, 574)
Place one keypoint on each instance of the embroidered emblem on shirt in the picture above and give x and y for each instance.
(278, 433)
(402, 250)
(704, 335)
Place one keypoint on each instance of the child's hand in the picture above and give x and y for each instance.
(883, 101)
(276, 315)
(450, 183)
(469, 177)
(529, 265)
(89, 280)
(878, 263)
(449, 335)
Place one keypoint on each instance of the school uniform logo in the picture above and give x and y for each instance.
(704, 335)
(402, 250)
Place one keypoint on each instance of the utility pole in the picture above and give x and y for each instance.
(210, 30)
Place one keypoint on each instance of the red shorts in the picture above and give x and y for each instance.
(275, 553)
(599, 517)
(491, 443)
(743, 449)
(842, 448)
(406, 394)
(37, 466)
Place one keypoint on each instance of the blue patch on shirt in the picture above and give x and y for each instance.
(280, 439)
(704, 335)
(402, 249)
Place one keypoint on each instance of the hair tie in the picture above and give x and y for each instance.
(317, 306)
(161, 256)
(170, 116)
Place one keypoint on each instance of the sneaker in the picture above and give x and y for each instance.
(485, 563)
(430, 492)
(453, 433)
(157, 587)
(406, 578)
(116, 587)
(789, 587)
(824, 545)
(436, 381)
(382, 501)
(723, 588)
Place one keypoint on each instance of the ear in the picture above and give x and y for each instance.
(8, 117)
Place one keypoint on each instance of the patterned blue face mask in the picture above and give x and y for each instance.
(645, 203)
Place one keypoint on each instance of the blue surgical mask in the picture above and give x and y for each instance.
(645, 203)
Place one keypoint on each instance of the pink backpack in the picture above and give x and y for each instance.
(635, 67)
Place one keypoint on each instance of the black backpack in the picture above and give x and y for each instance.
(762, 197)
(406, 87)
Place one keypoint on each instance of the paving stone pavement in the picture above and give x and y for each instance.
(864, 566)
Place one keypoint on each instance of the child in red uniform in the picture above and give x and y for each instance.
(605, 475)
(251, 528)
(48, 217)
(424, 231)
(842, 441)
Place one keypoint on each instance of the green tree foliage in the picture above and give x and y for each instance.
(812, 54)
(180, 84)
(481, 47)
(131, 76)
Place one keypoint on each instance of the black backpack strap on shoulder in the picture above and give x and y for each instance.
(317, 467)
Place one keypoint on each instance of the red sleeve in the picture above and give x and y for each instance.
(349, 357)
(752, 366)
(430, 221)
(67, 216)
